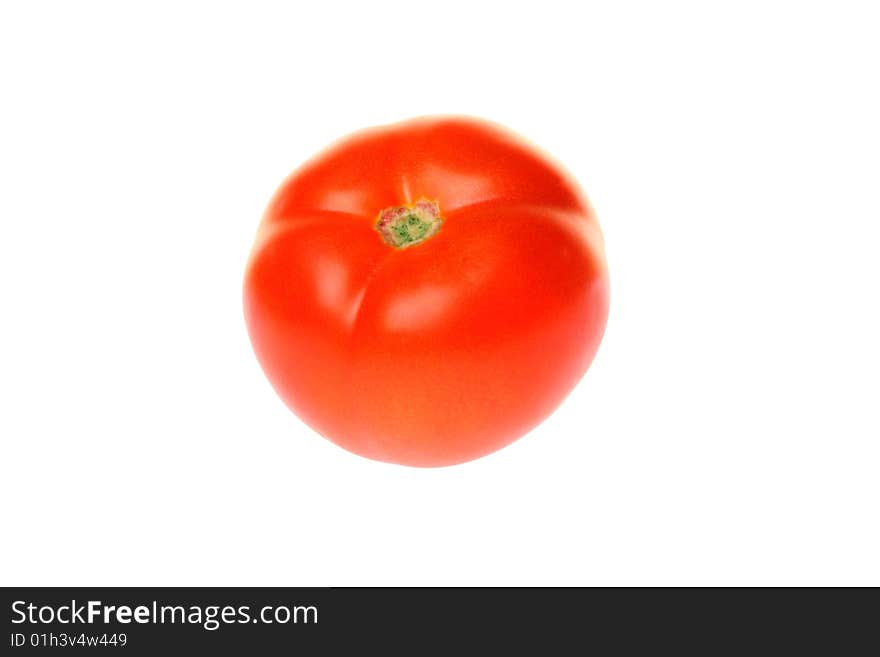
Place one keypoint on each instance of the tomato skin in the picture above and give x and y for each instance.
(449, 349)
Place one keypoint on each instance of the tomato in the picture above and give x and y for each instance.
(425, 293)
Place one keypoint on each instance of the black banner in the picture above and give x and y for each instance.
(136, 621)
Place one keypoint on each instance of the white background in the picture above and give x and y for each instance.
(727, 432)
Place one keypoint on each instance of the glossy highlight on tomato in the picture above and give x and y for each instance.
(426, 292)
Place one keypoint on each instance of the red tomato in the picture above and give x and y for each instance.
(425, 293)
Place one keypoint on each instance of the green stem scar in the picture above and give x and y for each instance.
(407, 225)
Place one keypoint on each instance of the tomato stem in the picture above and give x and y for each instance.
(403, 226)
